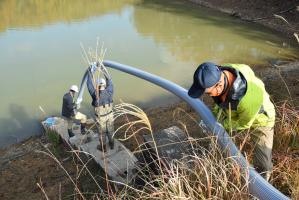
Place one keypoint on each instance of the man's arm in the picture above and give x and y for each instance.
(244, 118)
(109, 87)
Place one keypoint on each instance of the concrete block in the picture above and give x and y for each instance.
(119, 163)
(171, 143)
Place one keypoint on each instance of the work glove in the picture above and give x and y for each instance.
(78, 102)
(93, 67)
(203, 126)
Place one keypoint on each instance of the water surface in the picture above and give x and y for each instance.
(40, 54)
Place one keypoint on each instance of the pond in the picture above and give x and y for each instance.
(40, 53)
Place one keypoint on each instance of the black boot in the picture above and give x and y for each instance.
(111, 140)
(83, 129)
(111, 144)
(70, 132)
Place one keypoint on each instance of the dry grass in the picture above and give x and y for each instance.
(128, 129)
(207, 175)
(286, 150)
(287, 127)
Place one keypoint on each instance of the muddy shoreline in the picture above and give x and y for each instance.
(22, 166)
(270, 13)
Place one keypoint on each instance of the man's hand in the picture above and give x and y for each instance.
(93, 67)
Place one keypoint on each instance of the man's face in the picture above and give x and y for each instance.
(216, 89)
(101, 87)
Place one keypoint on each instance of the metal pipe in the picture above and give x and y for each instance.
(258, 186)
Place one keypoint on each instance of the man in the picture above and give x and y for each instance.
(70, 113)
(243, 102)
(101, 92)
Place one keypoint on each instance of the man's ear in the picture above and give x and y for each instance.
(221, 82)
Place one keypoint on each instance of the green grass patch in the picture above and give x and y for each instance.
(55, 140)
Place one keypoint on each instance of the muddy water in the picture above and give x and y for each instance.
(40, 55)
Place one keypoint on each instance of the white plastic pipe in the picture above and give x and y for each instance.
(258, 186)
(82, 86)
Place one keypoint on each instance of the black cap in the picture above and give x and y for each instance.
(206, 75)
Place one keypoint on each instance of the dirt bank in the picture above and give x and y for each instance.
(264, 12)
(22, 166)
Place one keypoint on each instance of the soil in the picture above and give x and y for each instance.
(264, 12)
(24, 166)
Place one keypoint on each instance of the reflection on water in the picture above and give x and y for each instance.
(17, 125)
(191, 34)
(40, 55)
(21, 14)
